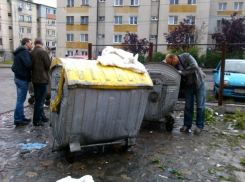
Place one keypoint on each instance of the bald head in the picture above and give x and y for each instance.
(172, 59)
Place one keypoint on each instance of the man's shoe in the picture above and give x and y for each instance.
(197, 131)
(26, 119)
(45, 120)
(184, 129)
(40, 123)
(21, 123)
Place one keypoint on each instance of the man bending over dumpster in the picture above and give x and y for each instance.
(194, 86)
(40, 80)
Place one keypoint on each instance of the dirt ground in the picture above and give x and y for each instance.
(215, 155)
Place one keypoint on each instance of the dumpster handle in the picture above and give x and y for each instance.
(56, 101)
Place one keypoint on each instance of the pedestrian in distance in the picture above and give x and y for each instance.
(40, 80)
(194, 86)
(22, 76)
(76, 53)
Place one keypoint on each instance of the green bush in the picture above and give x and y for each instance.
(142, 58)
(212, 59)
(159, 57)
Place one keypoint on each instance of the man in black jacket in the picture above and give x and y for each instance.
(22, 68)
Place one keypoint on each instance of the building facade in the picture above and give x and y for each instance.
(23, 18)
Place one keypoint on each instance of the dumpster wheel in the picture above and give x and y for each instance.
(70, 157)
(31, 100)
(169, 125)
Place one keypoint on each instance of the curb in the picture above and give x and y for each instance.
(225, 108)
(5, 66)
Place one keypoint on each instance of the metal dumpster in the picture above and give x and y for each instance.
(164, 95)
(95, 105)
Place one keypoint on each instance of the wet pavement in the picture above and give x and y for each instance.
(215, 155)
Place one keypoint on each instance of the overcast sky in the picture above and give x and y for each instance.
(47, 2)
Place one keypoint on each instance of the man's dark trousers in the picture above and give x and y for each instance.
(40, 92)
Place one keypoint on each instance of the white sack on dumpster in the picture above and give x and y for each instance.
(86, 178)
(120, 58)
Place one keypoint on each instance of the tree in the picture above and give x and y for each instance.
(185, 34)
(232, 31)
(137, 46)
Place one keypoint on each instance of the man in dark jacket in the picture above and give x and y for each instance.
(194, 86)
(40, 80)
(22, 76)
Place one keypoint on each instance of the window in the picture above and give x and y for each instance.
(134, 2)
(70, 20)
(153, 37)
(133, 20)
(70, 2)
(153, 18)
(192, 20)
(53, 54)
(238, 6)
(192, 2)
(47, 11)
(28, 6)
(47, 21)
(21, 30)
(118, 2)
(85, 2)
(117, 38)
(29, 30)
(118, 20)
(69, 38)
(54, 11)
(101, 18)
(47, 32)
(47, 43)
(53, 43)
(189, 39)
(84, 53)
(100, 36)
(222, 6)
(53, 22)
(174, 1)
(173, 20)
(84, 19)
(20, 4)
(70, 53)
(1, 41)
(28, 19)
(0, 27)
(218, 25)
(84, 38)
(53, 33)
(21, 18)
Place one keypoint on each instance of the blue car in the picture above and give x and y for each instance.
(234, 78)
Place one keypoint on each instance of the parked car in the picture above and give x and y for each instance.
(234, 78)
(82, 57)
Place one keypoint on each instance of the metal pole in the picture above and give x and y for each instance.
(89, 51)
(150, 52)
(221, 83)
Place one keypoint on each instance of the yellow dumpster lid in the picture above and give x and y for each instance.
(90, 74)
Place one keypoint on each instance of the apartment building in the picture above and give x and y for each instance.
(23, 18)
(223, 9)
(105, 22)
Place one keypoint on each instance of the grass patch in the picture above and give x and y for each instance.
(242, 162)
(7, 62)
(237, 119)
